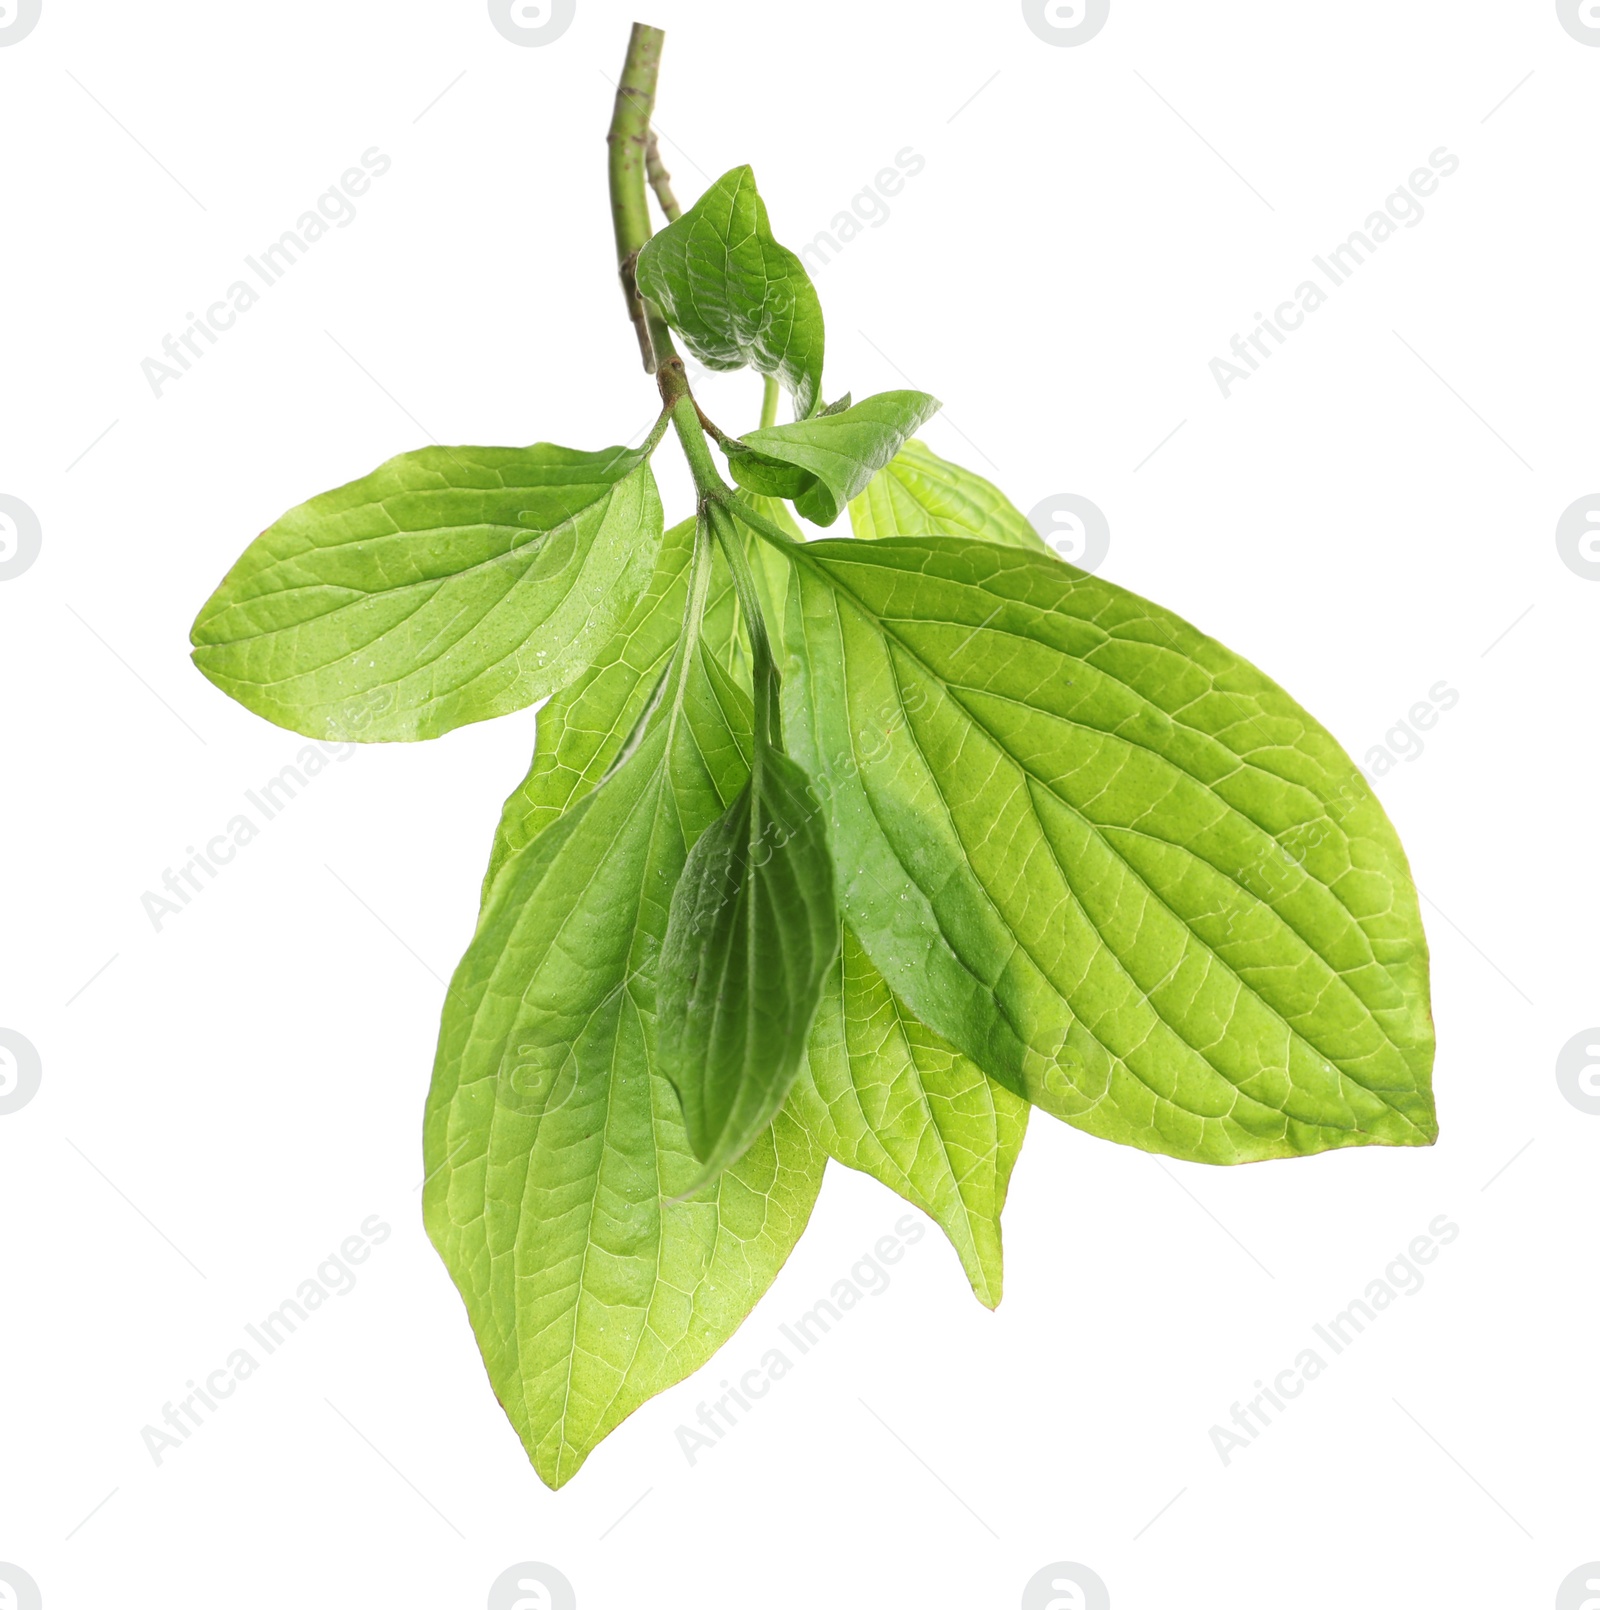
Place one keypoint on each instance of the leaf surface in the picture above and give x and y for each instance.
(886, 1095)
(1105, 857)
(822, 463)
(920, 494)
(738, 298)
(450, 585)
(555, 1145)
(752, 935)
(582, 729)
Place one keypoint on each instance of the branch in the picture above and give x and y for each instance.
(660, 180)
(629, 142)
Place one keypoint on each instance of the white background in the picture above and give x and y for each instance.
(230, 1097)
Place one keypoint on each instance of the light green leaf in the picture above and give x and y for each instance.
(450, 585)
(582, 729)
(888, 1096)
(555, 1146)
(823, 463)
(1109, 860)
(736, 296)
(752, 935)
(920, 494)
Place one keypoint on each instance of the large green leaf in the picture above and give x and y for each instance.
(736, 296)
(823, 463)
(450, 585)
(920, 494)
(555, 1146)
(1109, 860)
(582, 729)
(886, 1095)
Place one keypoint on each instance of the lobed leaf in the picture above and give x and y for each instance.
(886, 1095)
(450, 585)
(1105, 857)
(736, 296)
(822, 463)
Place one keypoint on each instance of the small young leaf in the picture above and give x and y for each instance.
(920, 494)
(554, 1144)
(1109, 860)
(823, 463)
(753, 928)
(736, 296)
(450, 585)
(888, 1096)
(752, 934)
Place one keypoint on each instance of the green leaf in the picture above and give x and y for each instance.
(450, 585)
(582, 729)
(823, 463)
(555, 1146)
(888, 1096)
(920, 494)
(752, 934)
(1105, 857)
(736, 296)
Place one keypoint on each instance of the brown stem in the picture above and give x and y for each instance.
(660, 180)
